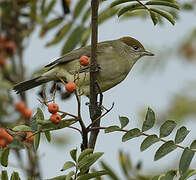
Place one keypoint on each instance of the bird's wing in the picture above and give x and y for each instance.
(76, 54)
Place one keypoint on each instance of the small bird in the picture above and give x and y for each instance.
(115, 59)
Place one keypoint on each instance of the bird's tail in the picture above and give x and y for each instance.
(26, 85)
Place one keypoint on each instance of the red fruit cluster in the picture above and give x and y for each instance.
(84, 60)
(70, 87)
(23, 110)
(53, 108)
(5, 138)
(30, 139)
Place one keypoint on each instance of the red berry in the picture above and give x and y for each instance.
(55, 118)
(3, 143)
(70, 87)
(84, 60)
(53, 108)
(29, 140)
(2, 61)
(27, 113)
(20, 106)
(4, 135)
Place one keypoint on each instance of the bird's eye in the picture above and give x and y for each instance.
(135, 47)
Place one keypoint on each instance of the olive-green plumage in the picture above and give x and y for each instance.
(114, 58)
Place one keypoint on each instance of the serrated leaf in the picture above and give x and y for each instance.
(131, 134)
(36, 141)
(69, 175)
(16, 144)
(84, 153)
(170, 175)
(24, 128)
(15, 176)
(131, 7)
(92, 175)
(163, 3)
(111, 129)
(166, 128)
(149, 120)
(148, 141)
(154, 17)
(165, 149)
(88, 161)
(48, 136)
(79, 7)
(4, 175)
(110, 173)
(123, 121)
(68, 165)
(181, 134)
(185, 160)
(4, 157)
(60, 34)
(188, 174)
(73, 39)
(165, 14)
(193, 145)
(73, 154)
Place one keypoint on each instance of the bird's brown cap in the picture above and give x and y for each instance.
(131, 42)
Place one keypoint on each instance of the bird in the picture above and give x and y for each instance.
(115, 59)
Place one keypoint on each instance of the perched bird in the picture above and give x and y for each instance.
(115, 59)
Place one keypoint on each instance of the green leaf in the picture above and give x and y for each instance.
(165, 14)
(112, 129)
(131, 7)
(15, 176)
(4, 175)
(163, 3)
(117, 2)
(110, 172)
(68, 165)
(73, 39)
(181, 134)
(24, 128)
(148, 141)
(39, 115)
(48, 136)
(63, 177)
(193, 145)
(33, 124)
(16, 144)
(165, 149)
(158, 177)
(5, 84)
(73, 154)
(149, 120)
(154, 17)
(166, 128)
(49, 8)
(36, 141)
(69, 175)
(85, 153)
(92, 175)
(79, 7)
(88, 161)
(170, 175)
(4, 157)
(86, 15)
(106, 14)
(123, 121)
(188, 174)
(131, 134)
(185, 160)
(60, 34)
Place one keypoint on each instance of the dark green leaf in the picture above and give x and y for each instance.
(188, 174)
(154, 17)
(163, 3)
(68, 165)
(48, 136)
(181, 134)
(185, 160)
(92, 175)
(117, 2)
(16, 144)
(4, 157)
(165, 14)
(36, 141)
(110, 173)
(148, 141)
(164, 150)
(123, 121)
(131, 134)
(73, 39)
(88, 161)
(112, 129)
(149, 120)
(170, 175)
(15, 176)
(24, 128)
(33, 124)
(193, 145)
(131, 7)
(84, 153)
(79, 7)
(73, 154)
(166, 128)
(4, 175)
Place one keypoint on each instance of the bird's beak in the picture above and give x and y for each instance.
(146, 53)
